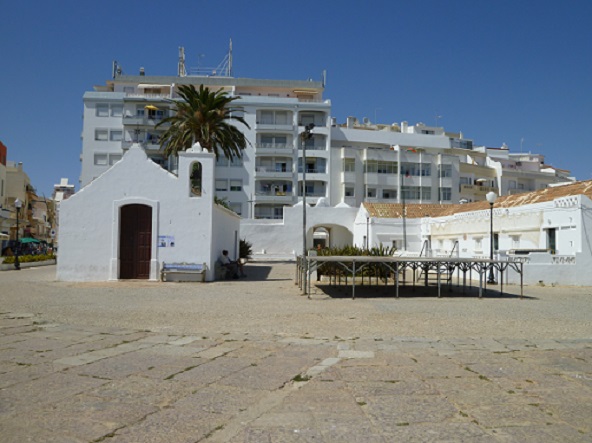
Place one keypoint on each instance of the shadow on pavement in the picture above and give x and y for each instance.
(365, 291)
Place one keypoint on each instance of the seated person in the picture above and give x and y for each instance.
(235, 268)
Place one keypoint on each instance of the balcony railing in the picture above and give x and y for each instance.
(476, 189)
(276, 146)
(142, 120)
(151, 145)
(314, 171)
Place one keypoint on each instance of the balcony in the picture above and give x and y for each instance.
(273, 197)
(148, 145)
(142, 120)
(273, 148)
(315, 147)
(271, 126)
(265, 172)
(476, 189)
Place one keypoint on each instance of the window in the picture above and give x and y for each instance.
(236, 185)
(416, 169)
(221, 161)
(444, 170)
(426, 193)
(221, 185)
(306, 119)
(381, 167)
(445, 194)
(101, 135)
(389, 194)
(116, 135)
(195, 178)
(273, 118)
(349, 191)
(236, 161)
(371, 192)
(117, 111)
(281, 167)
(101, 159)
(349, 165)
(114, 158)
(102, 110)
(274, 141)
(411, 192)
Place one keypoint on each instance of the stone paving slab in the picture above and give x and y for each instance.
(69, 382)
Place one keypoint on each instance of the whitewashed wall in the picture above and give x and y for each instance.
(525, 228)
(89, 220)
(274, 237)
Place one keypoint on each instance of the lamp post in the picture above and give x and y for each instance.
(491, 197)
(17, 204)
(367, 233)
(305, 135)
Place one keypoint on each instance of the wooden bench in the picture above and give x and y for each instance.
(183, 272)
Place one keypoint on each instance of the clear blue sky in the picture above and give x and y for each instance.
(499, 71)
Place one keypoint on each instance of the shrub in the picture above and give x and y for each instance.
(29, 258)
(245, 249)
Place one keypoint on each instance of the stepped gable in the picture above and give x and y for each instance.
(414, 210)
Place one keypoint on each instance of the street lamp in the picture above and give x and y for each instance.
(305, 135)
(491, 197)
(17, 204)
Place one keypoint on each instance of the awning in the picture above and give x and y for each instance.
(29, 240)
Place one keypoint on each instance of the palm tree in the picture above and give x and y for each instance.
(203, 116)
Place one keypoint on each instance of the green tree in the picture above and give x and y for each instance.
(203, 116)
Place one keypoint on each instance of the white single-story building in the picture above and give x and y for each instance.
(136, 216)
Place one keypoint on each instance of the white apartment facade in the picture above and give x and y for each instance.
(259, 184)
(350, 163)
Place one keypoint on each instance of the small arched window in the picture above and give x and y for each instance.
(195, 177)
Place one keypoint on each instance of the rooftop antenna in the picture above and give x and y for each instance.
(224, 69)
(438, 117)
(181, 72)
(230, 59)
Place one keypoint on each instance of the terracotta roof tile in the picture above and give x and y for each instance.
(414, 210)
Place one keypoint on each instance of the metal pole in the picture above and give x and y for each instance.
(17, 265)
(404, 217)
(306, 135)
(367, 234)
(491, 280)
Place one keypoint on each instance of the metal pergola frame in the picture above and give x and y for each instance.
(354, 265)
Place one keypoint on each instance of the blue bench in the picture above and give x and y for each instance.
(183, 272)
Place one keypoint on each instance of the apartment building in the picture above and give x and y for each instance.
(347, 163)
(269, 174)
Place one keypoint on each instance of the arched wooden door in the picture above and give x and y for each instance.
(135, 240)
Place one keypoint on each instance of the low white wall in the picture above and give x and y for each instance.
(284, 237)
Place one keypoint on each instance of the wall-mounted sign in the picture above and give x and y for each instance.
(166, 241)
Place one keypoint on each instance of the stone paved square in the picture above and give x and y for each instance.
(255, 361)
